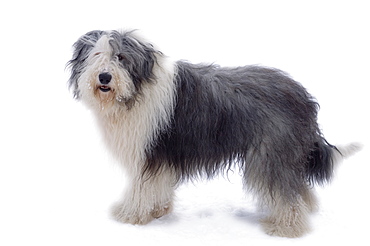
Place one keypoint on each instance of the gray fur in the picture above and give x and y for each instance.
(256, 115)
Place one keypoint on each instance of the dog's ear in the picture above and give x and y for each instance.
(81, 50)
(138, 57)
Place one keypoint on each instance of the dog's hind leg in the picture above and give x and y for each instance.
(309, 197)
(287, 218)
(286, 213)
(281, 191)
(146, 198)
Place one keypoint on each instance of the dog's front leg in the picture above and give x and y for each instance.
(146, 199)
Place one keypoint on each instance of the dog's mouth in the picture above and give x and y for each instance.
(104, 88)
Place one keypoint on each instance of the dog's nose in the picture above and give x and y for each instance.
(105, 78)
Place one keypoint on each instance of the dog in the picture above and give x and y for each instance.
(170, 122)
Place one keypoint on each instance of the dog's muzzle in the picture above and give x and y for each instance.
(105, 79)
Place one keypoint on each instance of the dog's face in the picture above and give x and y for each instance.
(109, 68)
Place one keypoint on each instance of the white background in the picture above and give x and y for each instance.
(57, 181)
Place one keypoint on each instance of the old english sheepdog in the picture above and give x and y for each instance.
(169, 122)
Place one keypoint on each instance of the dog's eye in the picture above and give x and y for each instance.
(120, 57)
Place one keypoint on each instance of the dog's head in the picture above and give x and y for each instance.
(110, 67)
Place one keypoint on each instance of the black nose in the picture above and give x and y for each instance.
(105, 78)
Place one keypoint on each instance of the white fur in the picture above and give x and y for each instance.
(146, 200)
(99, 61)
(287, 220)
(128, 133)
(346, 151)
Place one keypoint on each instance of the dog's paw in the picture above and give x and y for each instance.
(162, 210)
(120, 214)
(282, 229)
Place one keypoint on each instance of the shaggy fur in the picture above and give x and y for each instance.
(168, 122)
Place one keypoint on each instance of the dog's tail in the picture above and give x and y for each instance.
(323, 159)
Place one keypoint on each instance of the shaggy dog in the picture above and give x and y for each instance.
(168, 122)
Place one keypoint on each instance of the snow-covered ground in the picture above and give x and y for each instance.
(57, 181)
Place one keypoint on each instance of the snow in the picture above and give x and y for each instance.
(57, 181)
